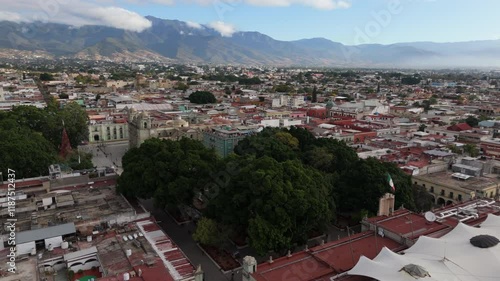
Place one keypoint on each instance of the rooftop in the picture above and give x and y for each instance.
(472, 184)
(324, 261)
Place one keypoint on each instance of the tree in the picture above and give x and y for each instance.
(471, 150)
(283, 88)
(410, 80)
(423, 200)
(185, 165)
(181, 86)
(275, 143)
(202, 97)
(207, 232)
(25, 151)
(75, 121)
(78, 160)
(369, 178)
(422, 128)
(277, 203)
(46, 77)
(472, 121)
(314, 95)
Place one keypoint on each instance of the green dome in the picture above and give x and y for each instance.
(329, 104)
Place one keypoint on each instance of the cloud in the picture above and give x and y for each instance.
(194, 25)
(225, 29)
(318, 4)
(74, 12)
(10, 16)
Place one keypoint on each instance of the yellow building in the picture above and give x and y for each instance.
(448, 187)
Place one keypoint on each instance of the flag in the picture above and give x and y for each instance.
(79, 161)
(391, 183)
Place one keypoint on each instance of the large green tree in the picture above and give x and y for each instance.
(278, 144)
(76, 123)
(25, 151)
(169, 171)
(202, 97)
(278, 204)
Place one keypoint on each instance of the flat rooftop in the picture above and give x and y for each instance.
(407, 224)
(83, 206)
(472, 184)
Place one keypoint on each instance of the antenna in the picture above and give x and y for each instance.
(430, 217)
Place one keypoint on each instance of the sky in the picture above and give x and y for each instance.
(350, 22)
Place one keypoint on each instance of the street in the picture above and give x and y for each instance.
(181, 235)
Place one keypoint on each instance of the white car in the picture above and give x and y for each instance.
(125, 238)
(130, 237)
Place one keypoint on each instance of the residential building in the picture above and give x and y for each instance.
(224, 139)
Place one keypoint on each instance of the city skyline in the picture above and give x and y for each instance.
(350, 22)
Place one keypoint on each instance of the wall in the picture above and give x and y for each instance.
(25, 248)
(55, 241)
(274, 123)
(434, 168)
(86, 266)
(117, 132)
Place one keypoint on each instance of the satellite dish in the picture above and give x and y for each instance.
(430, 217)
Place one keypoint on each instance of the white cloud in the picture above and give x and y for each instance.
(74, 12)
(223, 28)
(194, 25)
(225, 4)
(10, 16)
(318, 4)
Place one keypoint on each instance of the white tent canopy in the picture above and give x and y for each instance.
(451, 257)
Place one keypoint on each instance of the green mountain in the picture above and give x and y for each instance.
(173, 40)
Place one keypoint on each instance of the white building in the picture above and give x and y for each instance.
(288, 101)
(48, 238)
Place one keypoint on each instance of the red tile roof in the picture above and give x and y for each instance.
(174, 260)
(322, 262)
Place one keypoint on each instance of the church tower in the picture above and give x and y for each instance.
(139, 127)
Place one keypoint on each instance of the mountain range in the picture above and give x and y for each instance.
(177, 41)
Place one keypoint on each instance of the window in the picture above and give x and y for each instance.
(145, 125)
(442, 192)
(432, 189)
(459, 197)
(451, 195)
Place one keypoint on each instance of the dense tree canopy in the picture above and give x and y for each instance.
(410, 80)
(202, 97)
(278, 188)
(31, 138)
(472, 121)
(171, 171)
(25, 151)
(277, 203)
(46, 76)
